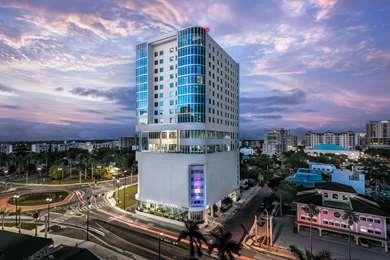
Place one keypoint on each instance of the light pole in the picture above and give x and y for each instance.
(124, 192)
(88, 206)
(117, 187)
(160, 235)
(16, 197)
(48, 200)
(40, 173)
(267, 228)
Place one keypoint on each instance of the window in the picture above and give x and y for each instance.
(171, 85)
(155, 112)
(161, 86)
(161, 61)
(155, 79)
(325, 222)
(363, 219)
(335, 196)
(171, 102)
(155, 87)
(155, 120)
(161, 112)
(324, 212)
(156, 62)
(171, 111)
(343, 226)
(337, 215)
(377, 221)
(377, 232)
(345, 197)
(370, 231)
(325, 194)
(156, 95)
(303, 218)
(155, 54)
(161, 103)
(337, 224)
(171, 76)
(171, 93)
(155, 70)
(156, 104)
(161, 78)
(161, 69)
(161, 95)
(171, 67)
(171, 50)
(171, 58)
(370, 220)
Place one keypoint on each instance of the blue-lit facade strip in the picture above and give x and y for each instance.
(191, 75)
(141, 79)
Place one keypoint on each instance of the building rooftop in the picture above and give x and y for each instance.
(63, 252)
(361, 204)
(329, 147)
(335, 187)
(12, 243)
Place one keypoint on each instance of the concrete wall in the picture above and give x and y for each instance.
(164, 177)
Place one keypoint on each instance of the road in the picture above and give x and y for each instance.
(125, 234)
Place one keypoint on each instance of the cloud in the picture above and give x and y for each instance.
(12, 107)
(325, 7)
(123, 96)
(292, 97)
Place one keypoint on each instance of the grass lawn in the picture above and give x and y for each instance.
(130, 196)
(33, 199)
(24, 225)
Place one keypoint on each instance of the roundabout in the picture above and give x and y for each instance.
(36, 201)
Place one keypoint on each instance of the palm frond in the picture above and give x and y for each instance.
(297, 252)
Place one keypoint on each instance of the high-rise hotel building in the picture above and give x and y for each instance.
(187, 111)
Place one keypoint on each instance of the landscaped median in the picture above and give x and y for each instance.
(36, 201)
(129, 199)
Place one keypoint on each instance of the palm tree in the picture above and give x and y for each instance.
(312, 211)
(4, 212)
(222, 241)
(300, 255)
(195, 237)
(351, 218)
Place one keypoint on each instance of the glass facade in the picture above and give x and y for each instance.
(141, 78)
(191, 75)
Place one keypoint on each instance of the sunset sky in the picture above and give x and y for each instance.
(67, 67)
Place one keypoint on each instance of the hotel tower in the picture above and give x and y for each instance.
(187, 106)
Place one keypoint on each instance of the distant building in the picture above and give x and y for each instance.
(126, 142)
(354, 179)
(306, 177)
(323, 167)
(246, 151)
(378, 134)
(40, 148)
(255, 144)
(278, 141)
(6, 148)
(333, 200)
(333, 149)
(21, 148)
(347, 140)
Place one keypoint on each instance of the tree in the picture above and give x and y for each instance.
(19, 212)
(300, 255)
(4, 212)
(55, 172)
(222, 241)
(351, 218)
(195, 237)
(312, 211)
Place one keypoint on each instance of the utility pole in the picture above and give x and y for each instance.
(48, 214)
(124, 192)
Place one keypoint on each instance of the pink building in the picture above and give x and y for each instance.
(332, 201)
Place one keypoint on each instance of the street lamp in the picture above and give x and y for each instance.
(160, 235)
(88, 207)
(48, 200)
(124, 191)
(16, 197)
(40, 173)
(117, 185)
(62, 173)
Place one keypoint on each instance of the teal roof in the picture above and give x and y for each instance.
(333, 147)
